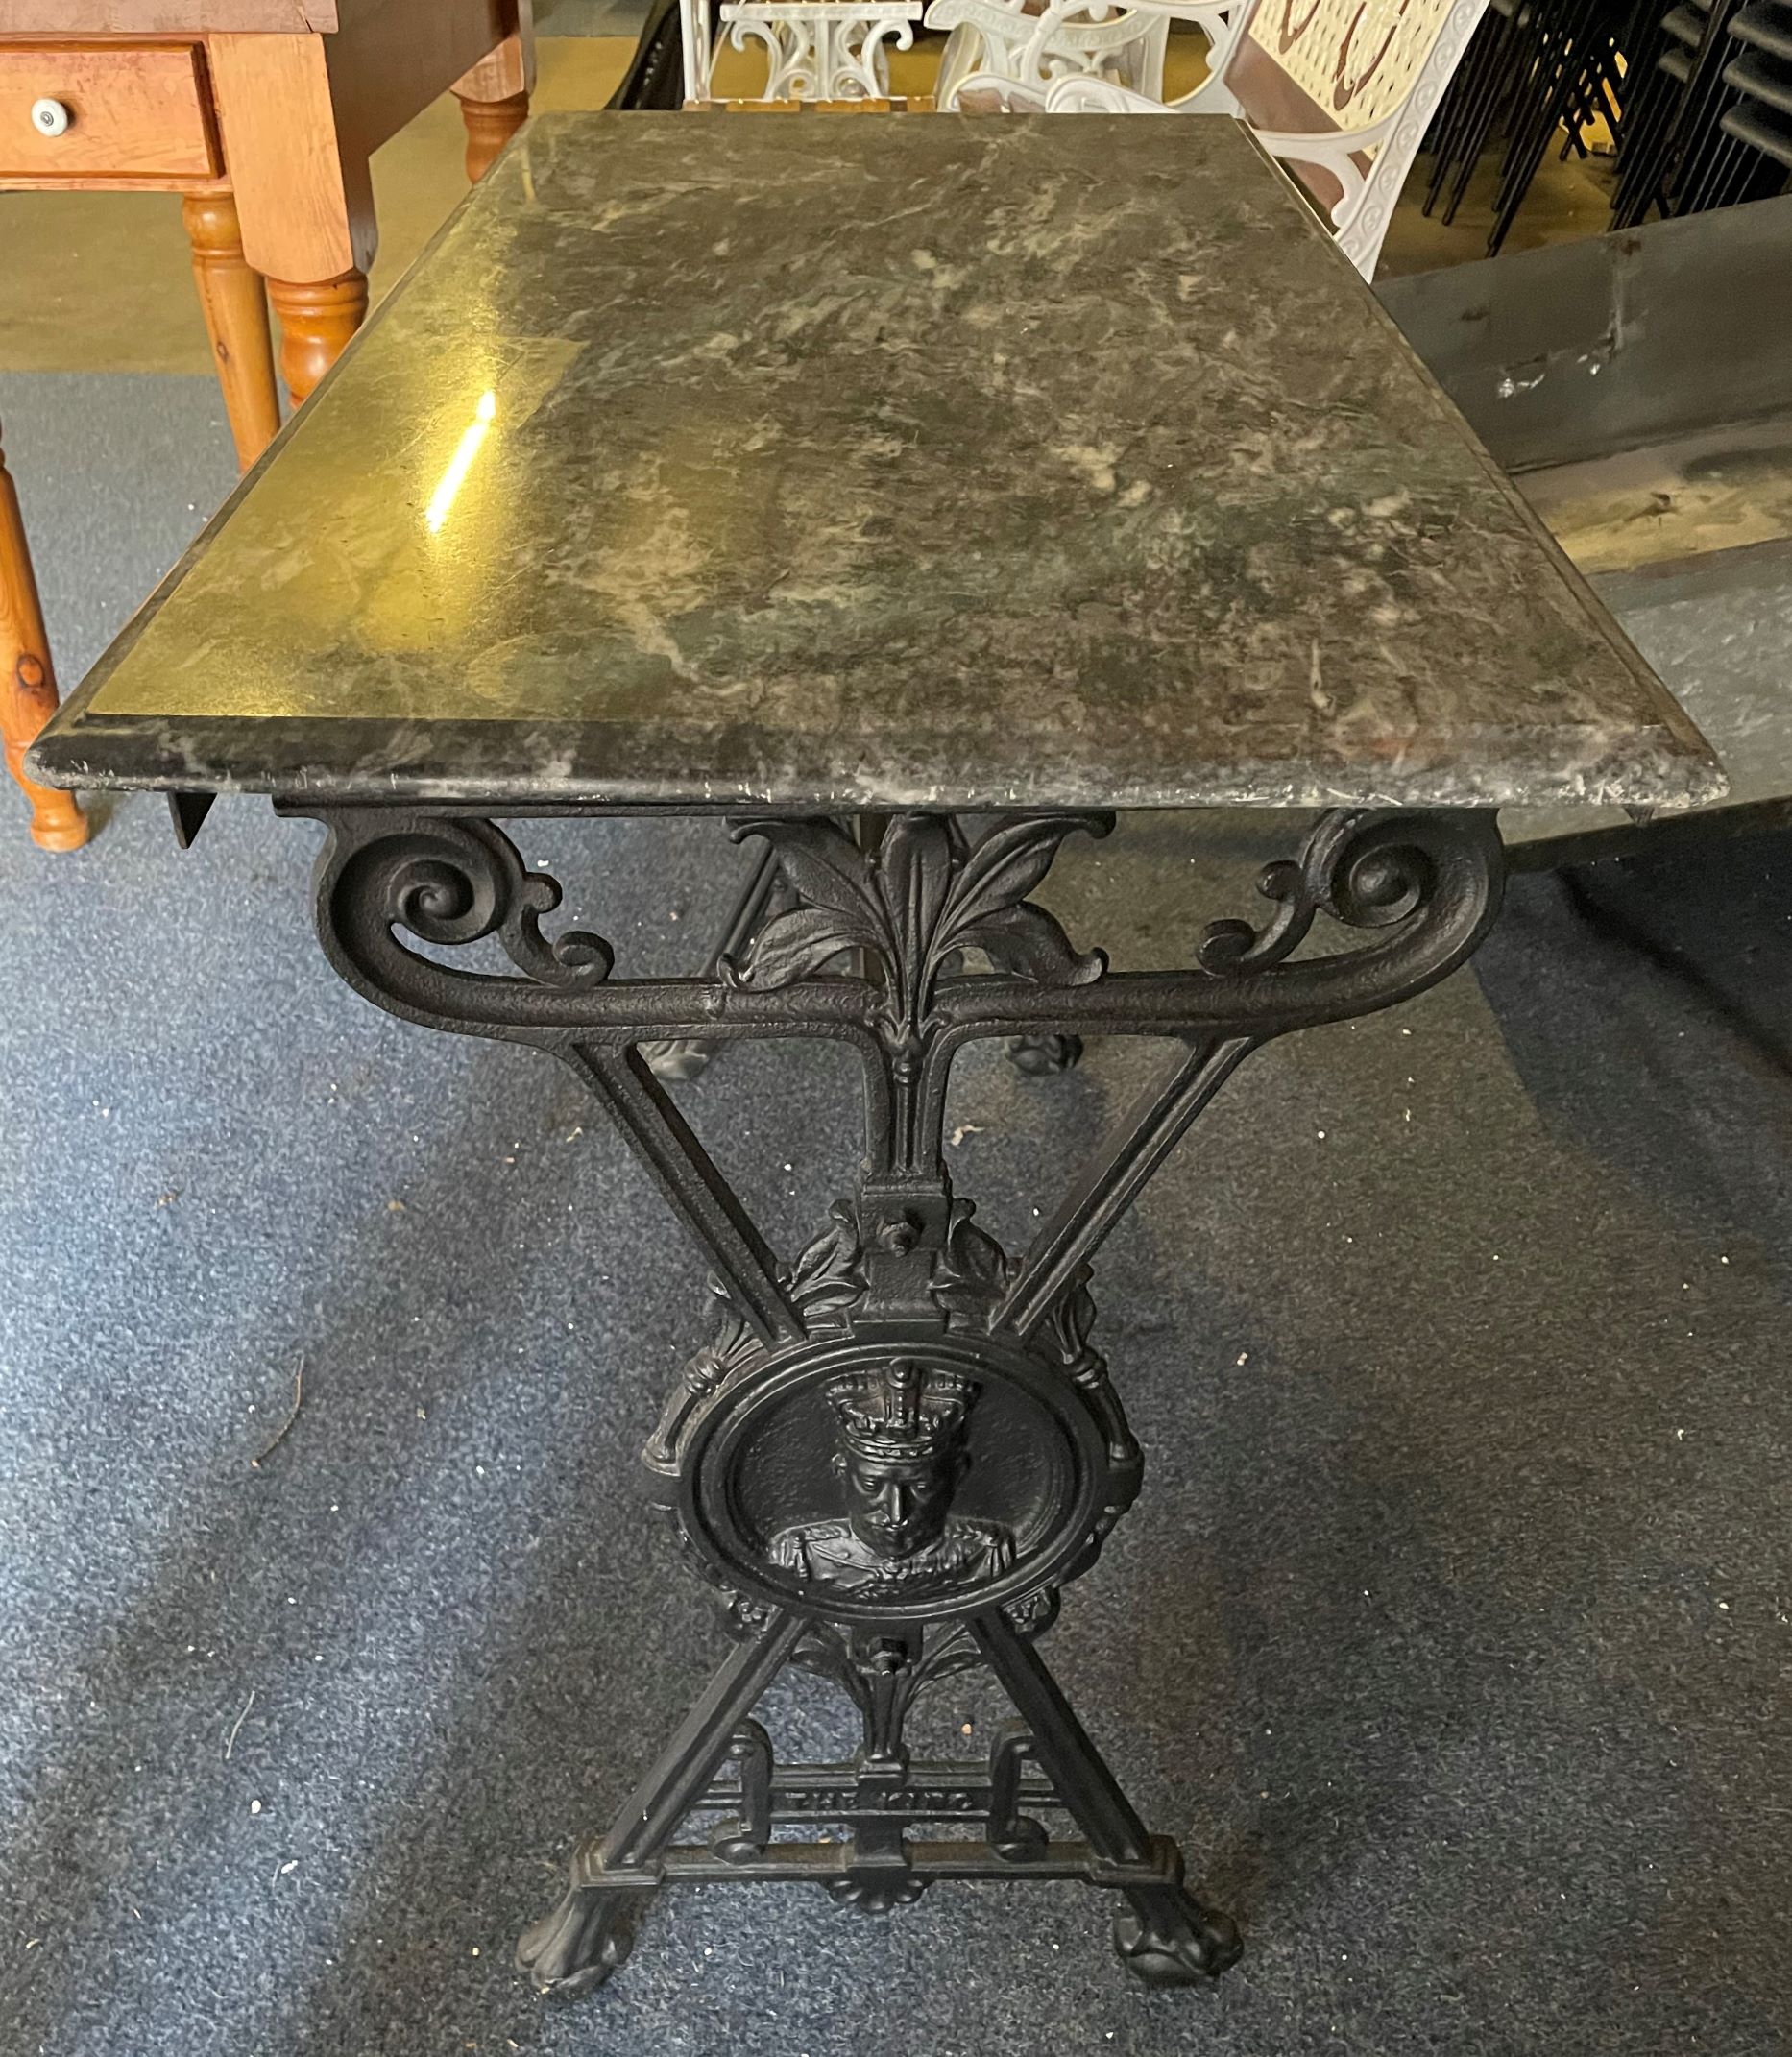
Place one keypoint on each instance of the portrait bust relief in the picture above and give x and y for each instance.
(900, 1455)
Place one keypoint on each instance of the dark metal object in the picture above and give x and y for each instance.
(188, 811)
(895, 1452)
(1583, 350)
(1662, 67)
(655, 77)
(1708, 134)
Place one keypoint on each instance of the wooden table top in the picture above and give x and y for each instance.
(828, 464)
(45, 19)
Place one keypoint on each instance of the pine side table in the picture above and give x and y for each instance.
(262, 114)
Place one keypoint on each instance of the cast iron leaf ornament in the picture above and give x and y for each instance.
(883, 1683)
(915, 906)
(829, 1279)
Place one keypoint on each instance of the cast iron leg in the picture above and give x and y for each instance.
(899, 1447)
(1164, 1935)
(579, 1945)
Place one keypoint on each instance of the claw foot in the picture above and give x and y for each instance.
(1174, 1941)
(877, 1896)
(1038, 1055)
(573, 1950)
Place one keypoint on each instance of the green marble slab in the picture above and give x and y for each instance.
(851, 463)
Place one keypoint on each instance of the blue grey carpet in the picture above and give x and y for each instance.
(1451, 1631)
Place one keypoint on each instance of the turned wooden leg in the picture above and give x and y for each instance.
(27, 683)
(494, 94)
(315, 324)
(489, 125)
(236, 319)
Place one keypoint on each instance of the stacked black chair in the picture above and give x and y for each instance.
(1472, 106)
(1697, 134)
(1534, 68)
(1657, 94)
(1698, 101)
(1573, 82)
(1757, 155)
(1720, 123)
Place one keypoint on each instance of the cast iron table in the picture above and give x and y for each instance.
(913, 494)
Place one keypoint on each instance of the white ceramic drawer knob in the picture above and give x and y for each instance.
(50, 117)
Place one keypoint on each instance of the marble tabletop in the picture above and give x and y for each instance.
(833, 462)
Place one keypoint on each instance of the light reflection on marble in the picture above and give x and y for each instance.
(876, 462)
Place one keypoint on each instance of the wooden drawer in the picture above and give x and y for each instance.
(134, 110)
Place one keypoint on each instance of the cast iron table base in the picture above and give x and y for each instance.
(895, 1452)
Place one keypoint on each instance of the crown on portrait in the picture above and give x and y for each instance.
(901, 1409)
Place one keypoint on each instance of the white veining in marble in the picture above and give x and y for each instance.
(882, 461)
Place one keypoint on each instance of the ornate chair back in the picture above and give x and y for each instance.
(1341, 90)
(815, 50)
(1123, 44)
(1364, 74)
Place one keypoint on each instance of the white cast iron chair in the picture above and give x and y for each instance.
(1120, 43)
(815, 49)
(1342, 91)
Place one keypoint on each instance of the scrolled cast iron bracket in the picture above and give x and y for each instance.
(896, 1449)
(1428, 884)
